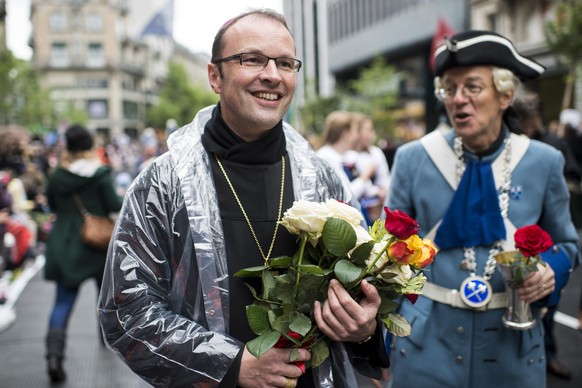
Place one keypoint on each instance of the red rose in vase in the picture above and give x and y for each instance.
(532, 240)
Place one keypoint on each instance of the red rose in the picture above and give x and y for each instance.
(283, 342)
(411, 297)
(532, 240)
(399, 224)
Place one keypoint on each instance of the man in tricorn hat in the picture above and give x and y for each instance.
(470, 189)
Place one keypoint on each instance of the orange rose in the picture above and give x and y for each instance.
(414, 251)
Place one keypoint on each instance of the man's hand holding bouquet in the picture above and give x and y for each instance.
(336, 255)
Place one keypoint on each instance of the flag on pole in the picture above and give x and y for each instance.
(443, 31)
(162, 24)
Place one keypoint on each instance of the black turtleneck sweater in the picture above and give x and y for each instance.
(254, 169)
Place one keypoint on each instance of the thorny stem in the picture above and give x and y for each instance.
(298, 276)
(373, 263)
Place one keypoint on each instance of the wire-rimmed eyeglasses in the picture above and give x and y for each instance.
(259, 62)
(470, 91)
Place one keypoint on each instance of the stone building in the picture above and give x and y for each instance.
(108, 57)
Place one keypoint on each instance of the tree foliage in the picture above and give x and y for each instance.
(179, 99)
(563, 35)
(374, 92)
(22, 101)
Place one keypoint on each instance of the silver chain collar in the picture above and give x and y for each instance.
(469, 261)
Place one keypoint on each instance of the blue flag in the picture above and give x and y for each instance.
(162, 23)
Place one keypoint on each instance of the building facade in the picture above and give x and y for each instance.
(337, 38)
(102, 56)
(3, 44)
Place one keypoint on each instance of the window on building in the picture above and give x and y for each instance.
(97, 109)
(97, 83)
(94, 23)
(58, 22)
(493, 21)
(95, 56)
(59, 55)
(130, 110)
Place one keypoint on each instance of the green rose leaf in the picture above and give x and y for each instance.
(300, 324)
(346, 272)
(397, 325)
(283, 289)
(311, 269)
(319, 353)
(250, 272)
(280, 262)
(294, 356)
(361, 253)
(258, 319)
(387, 306)
(269, 284)
(281, 323)
(258, 346)
(339, 237)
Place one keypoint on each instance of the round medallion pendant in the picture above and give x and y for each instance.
(475, 291)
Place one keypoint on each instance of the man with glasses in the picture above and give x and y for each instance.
(469, 189)
(170, 306)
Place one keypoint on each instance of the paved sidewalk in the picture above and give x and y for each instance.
(88, 363)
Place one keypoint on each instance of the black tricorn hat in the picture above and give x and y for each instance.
(475, 48)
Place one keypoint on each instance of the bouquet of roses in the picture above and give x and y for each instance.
(530, 241)
(334, 245)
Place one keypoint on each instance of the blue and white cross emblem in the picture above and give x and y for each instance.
(475, 291)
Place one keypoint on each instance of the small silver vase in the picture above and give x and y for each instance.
(518, 315)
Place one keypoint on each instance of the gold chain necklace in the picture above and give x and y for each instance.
(265, 258)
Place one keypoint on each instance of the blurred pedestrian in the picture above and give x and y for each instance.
(529, 111)
(470, 189)
(365, 155)
(571, 123)
(340, 135)
(69, 262)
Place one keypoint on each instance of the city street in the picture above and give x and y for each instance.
(90, 365)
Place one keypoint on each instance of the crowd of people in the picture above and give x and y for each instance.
(193, 212)
(39, 178)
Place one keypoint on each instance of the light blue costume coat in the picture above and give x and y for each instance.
(451, 347)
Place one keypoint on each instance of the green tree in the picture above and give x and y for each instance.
(179, 99)
(374, 92)
(22, 100)
(564, 37)
(315, 109)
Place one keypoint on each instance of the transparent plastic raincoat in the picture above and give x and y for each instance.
(164, 303)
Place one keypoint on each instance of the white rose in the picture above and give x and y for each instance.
(306, 216)
(403, 274)
(378, 247)
(362, 236)
(345, 212)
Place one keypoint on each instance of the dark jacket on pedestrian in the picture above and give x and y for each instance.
(68, 260)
